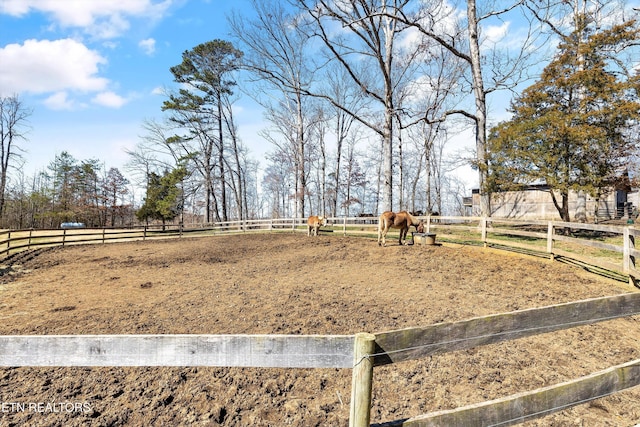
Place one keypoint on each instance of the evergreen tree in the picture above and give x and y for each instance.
(164, 200)
(570, 129)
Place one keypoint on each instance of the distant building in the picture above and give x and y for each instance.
(535, 202)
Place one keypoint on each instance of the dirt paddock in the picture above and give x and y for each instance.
(292, 284)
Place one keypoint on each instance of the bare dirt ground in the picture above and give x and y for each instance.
(292, 284)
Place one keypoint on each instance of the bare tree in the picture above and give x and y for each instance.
(354, 177)
(115, 188)
(341, 88)
(317, 159)
(13, 127)
(276, 54)
(238, 169)
(366, 49)
(443, 24)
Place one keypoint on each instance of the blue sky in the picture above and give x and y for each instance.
(91, 70)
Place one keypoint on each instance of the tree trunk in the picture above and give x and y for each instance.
(562, 208)
(323, 177)
(239, 188)
(481, 108)
(401, 201)
(223, 183)
(340, 140)
(302, 180)
(388, 28)
(414, 183)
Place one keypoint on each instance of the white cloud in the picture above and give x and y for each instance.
(495, 33)
(100, 18)
(59, 101)
(40, 66)
(148, 46)
(109, 99)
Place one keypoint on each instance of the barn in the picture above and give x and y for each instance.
(535, 202)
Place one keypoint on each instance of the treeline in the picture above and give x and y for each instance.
(69, 190)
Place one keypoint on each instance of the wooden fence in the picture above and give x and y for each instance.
(607, 249)
(363, 352)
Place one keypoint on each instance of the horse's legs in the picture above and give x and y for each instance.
(383, 228)
(403, 236)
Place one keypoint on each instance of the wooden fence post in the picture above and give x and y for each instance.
(30, 234)
(628, 260)
(344, 226)
(550, 233)
(362, 380)
(64, 236)
(483, 231)
(8, 242)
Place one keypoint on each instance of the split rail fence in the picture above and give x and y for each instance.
(365, 351)
(361, 353)
(606, 249)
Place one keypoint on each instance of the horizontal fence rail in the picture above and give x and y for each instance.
(526, 406)
(259, 351)
(413, 343)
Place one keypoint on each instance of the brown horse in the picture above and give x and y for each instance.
(402, 220)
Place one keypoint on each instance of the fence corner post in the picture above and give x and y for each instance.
(362, 380)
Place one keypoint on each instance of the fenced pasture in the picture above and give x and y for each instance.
(605, 249)
(381, 349)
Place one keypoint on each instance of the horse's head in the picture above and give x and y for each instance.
(420, 227)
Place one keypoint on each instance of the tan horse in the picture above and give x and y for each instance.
(402, 220)
(314, 223)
